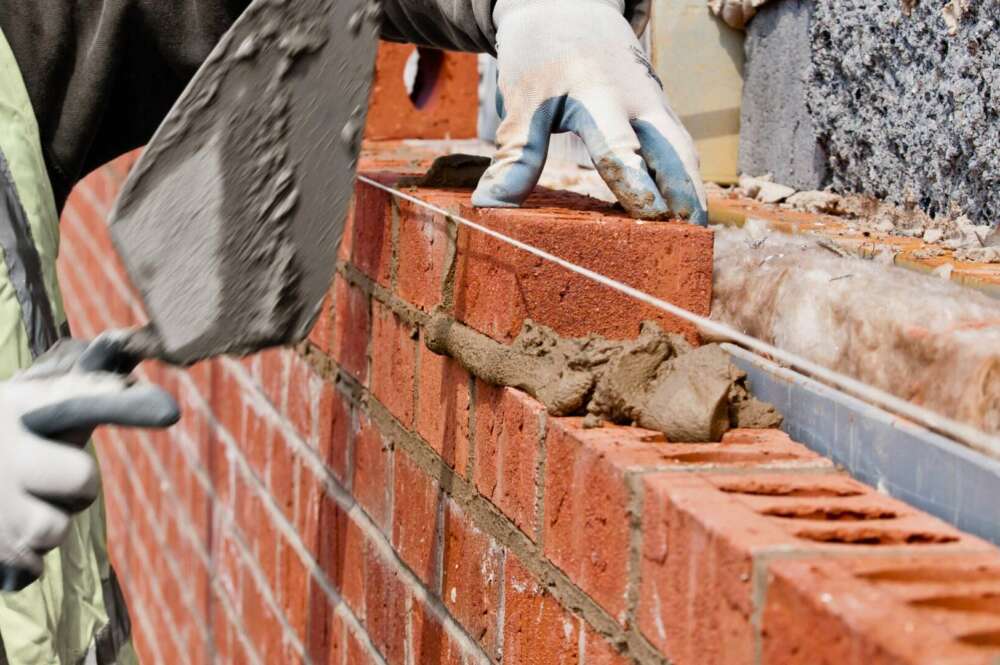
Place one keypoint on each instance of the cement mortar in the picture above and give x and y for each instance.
(657, 381)
(777, 134)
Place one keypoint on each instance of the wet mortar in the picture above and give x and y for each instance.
(657, 381)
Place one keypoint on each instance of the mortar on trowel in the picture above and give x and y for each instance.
(230, 222)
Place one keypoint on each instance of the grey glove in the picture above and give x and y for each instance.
(576, 66)
(47, 414)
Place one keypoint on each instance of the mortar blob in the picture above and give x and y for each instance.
(657, 381)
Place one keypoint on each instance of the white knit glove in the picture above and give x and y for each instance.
(47, 413)
(736, 13)
(577, 66)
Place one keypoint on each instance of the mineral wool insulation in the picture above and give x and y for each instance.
(903, 97)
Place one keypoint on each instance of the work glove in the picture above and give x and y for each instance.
(577, 66)
(736, 13)
(47, 414)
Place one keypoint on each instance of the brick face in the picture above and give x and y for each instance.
(471, 576)
(358, 499)
(508, 440)
(394, 357)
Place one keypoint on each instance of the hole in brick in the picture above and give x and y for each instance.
(421, 74)
(987, 639)
(862, 536)
(760, 488)
(831, 513)
(924, 575)
(731, 457)
(987, 603)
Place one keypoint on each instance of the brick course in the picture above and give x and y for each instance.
(359, 500)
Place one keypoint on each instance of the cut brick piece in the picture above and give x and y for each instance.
(394, 350)
(471, 576)
(881, 612)
(444, 103)
(498, 286)
(443, 408)
(508, 435)
(536, 628)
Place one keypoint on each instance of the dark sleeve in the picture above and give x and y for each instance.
(102, 74)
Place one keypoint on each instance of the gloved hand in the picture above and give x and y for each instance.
(577, 66)
(736, 13)
(47, 414)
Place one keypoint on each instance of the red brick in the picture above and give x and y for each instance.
(294, 590)
(415, 524)
(586, 527)
(891, 611)
(371, 244)
(348, 570)
(309, 495)
(255, 438)
(430, 644)
(273, 375)
(385, 606)
(281, 474)
(304, 389)
(700, 545)
(370, 481)
(335, 431)
(471, 576)
(508, 435)
(322, 330)
(598, 651)
(394, 349)
(356, 652)
(537, 630)
(328, 643)
(351, 329)
(498, 286)
(450, 110)
(423, 255)
(443, 408)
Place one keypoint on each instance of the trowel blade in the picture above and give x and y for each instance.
(230, 222)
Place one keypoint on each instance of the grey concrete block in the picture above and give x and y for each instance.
(777, 134)
(905, 110)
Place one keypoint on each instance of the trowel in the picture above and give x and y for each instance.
(230, 221)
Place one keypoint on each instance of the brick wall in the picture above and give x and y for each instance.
(360, 500)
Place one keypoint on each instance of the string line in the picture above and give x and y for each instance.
(959, 431)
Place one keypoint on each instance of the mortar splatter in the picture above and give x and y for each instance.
(657, 381)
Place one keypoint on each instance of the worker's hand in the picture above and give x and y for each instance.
(736, 13)
(576, 66)
(47, 413)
